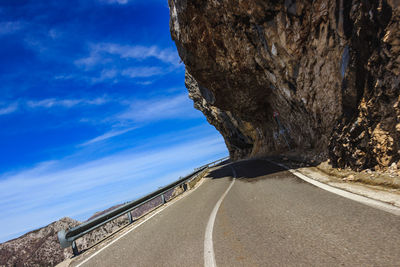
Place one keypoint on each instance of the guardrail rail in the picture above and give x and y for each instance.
(67, 237)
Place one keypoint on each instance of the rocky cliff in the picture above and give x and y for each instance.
(277, 76)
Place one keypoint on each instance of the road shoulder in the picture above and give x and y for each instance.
(383, 198)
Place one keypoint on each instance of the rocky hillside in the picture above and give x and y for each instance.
(279, 76)
(37, 248)
(41, 247)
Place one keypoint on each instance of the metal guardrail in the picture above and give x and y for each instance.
(211, 164)
(67, 237)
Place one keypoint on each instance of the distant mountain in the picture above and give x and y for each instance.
(41, 247)
(97, 214)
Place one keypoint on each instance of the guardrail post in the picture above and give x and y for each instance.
(130, 217)
(75, 249)
(163, 199)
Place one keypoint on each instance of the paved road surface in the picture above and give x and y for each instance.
(268, 218)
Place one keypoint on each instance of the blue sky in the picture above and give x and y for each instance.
(93, 109)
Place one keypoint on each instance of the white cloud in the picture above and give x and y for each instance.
(52, 102)
(141, 52)
(97, 101)
(144, 112)
(105, 74)
(110, 61)
(66, 103)
(99, 54)
(10, 27)
(121, 2)
(142, 72)
(134, 72)
(92, 60)
(9, 109)
(145, 82)
(108, 135)
(64, 77)
(124, 2)
(51, 191)
(175, 107)
(55, 34)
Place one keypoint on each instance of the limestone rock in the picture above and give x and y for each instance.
(274, 76)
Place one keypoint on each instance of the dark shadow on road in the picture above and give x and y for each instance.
(256, 168)
(223, 172)
(253, 170)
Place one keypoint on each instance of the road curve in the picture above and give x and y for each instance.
(268, 218)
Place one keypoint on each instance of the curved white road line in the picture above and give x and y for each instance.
(209, 256)
(355, 197)
(169, 204)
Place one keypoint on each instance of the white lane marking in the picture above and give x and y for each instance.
(136, 226)
(209, 256)
(364, 200)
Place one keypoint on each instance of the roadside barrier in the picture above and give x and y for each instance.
(67, 237)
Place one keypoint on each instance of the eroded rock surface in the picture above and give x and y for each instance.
(274, 76)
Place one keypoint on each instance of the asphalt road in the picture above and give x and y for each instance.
(268, 218)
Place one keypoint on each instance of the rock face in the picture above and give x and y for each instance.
(277, 76)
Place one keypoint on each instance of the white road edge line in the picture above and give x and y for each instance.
(209, 256)
(136, 226)
(364, 200)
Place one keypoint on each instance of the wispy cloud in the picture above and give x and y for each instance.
(175, 107)
(27, 105)
(10, 27)
(55, 34)
(49, 191)
(124, 2)
(143, 72)
(144, 112)
(99, 54)
(135, 72)
(66, 103)
(106, 74)
(9, 109)
(145, 82)
(52, 102)
(108, 135)
(113, 62)
(121, 2)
